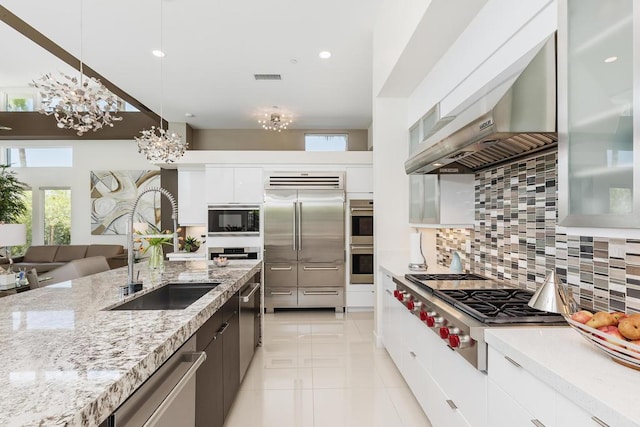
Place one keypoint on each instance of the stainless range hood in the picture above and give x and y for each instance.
(514, 118)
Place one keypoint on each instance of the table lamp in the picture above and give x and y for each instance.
(12, 235)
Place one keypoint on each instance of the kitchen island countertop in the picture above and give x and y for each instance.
(67, 361)
(565, 361)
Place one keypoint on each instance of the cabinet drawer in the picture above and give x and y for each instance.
(504, 411)
(280, 275)
(531, 393)
(321, 274)
(321, 297)
(280, 297)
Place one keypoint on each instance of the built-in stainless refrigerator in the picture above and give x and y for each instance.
(304, 242)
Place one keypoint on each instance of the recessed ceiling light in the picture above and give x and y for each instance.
(158, 53)
(611, 59)
(293, 61)
(438, 164)
(189, 115)
(325, 54)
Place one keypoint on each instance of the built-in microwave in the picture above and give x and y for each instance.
(233, 220)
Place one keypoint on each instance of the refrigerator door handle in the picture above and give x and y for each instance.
(294, 225)
(299, 216)
(281, 268)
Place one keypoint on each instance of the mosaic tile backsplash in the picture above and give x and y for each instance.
(514, 239)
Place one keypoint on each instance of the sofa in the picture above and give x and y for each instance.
(47, 257)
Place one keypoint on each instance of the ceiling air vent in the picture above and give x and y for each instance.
(267, 76)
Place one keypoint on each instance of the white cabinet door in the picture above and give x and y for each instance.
(219, 185)
(531, 393)
(442, 410)
(504, 411)
(192, 205)
(234, 185)
(568, 414)
(360, 180)
(248, 185)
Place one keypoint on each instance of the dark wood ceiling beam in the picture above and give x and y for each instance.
(33, 125)
(41, 40)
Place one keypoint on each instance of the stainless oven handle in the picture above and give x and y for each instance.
(305, 268)
(280, 268)
(320, 293)
(246, 298)
(361, 246)
(362, 210)
(201, 356)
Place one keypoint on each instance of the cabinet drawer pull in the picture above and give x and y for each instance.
(599, 421)
(388, 291)
(223, 328)
(280, 268)
(412, 354)
(305, 268)
(289, 293)
(246, 298)
(537, 423)
(321, 293)
(451, 404)
(514, 363)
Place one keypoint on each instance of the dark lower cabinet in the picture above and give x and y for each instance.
(218, 379)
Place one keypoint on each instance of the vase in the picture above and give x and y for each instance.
(156, 257)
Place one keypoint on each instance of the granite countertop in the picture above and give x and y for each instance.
(66, 361)
(565, 361)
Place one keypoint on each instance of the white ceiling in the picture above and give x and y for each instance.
(213, 48)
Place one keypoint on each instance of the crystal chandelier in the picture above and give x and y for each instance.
(275, 121)
(158, 144)
(82, 104)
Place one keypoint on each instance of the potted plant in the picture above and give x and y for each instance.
(12, 203)
(191, 244)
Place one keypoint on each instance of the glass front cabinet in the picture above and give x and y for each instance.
(598, 147)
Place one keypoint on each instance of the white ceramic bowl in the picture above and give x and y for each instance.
(221, 263)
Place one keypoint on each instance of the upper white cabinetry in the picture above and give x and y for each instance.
(359, 180)
(234, 185)
(441, 199)
(192, 206)
(597, 79)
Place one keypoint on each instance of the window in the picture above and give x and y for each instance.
(57, 216)
(40, 157)
(331, 142)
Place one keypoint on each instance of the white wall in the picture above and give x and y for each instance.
(88, 155)
(395, 24)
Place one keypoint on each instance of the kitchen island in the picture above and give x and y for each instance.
(68, 361)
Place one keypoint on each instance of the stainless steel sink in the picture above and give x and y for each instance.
(172, 296)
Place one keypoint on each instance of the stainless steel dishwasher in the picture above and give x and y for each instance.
(167, 398)
(249, 323)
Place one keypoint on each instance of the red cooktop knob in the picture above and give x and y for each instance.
(423, 315)
(410, 305)
(454, 341)
(444, 333)
(431, 321)
(396, 293)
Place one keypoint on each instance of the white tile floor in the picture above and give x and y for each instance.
(322, 369)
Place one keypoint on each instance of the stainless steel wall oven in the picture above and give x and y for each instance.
(361, 242)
